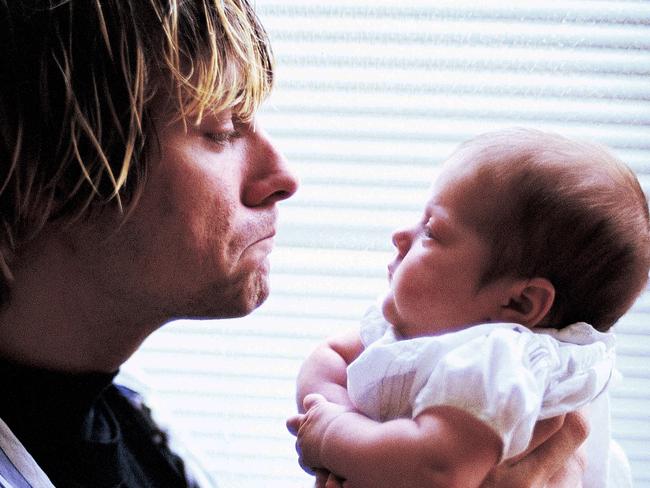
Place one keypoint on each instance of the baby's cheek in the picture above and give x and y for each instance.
(408, 293)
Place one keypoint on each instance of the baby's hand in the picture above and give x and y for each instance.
(311, 427)
(294, 423)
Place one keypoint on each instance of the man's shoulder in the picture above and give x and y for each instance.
(137, 387)
(17, 467)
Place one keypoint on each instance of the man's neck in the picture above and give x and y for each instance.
(60, 318)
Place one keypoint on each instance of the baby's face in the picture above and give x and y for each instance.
(434, 278)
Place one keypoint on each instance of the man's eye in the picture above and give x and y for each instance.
(222, 138)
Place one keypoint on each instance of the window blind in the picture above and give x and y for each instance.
(371, 97)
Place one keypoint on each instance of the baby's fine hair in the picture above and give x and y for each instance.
(78, 80)
(566, 211)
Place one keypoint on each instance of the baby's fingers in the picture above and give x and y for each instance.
(312, 399)
(294, 423)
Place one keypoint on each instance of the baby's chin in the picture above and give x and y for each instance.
(402, 328)
(388, 308)
(391, 316)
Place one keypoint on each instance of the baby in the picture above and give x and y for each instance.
(501, 297)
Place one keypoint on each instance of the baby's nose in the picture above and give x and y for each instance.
(402, 240)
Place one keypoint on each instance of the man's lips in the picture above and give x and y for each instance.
(270, 235)
(266, 228)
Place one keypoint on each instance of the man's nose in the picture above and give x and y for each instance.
(270, 179)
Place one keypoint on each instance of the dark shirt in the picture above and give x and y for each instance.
(84, 431)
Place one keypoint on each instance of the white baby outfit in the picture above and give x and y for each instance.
(503, 374)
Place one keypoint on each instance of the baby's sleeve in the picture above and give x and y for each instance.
(499, 378)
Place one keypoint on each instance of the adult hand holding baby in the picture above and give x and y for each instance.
(552, 459)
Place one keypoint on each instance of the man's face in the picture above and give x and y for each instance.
(198, 240)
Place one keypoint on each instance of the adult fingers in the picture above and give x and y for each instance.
(551, 455)
(321, 478)
(333, 482)
(544, 429)
(546, 461)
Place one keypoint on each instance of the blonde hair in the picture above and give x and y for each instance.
(564, 210)
(77, 83)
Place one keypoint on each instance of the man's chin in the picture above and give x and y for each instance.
(262, 293)
(211, 303)
(250, 297)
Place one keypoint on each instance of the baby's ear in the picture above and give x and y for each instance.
(529, 303)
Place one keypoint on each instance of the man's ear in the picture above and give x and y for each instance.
(530, 301)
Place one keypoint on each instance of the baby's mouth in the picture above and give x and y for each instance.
(390, 273)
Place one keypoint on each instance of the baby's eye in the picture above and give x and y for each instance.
(428, 233)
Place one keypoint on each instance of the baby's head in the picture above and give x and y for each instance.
(562, 210)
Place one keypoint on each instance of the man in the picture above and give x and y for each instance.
(135, 188)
